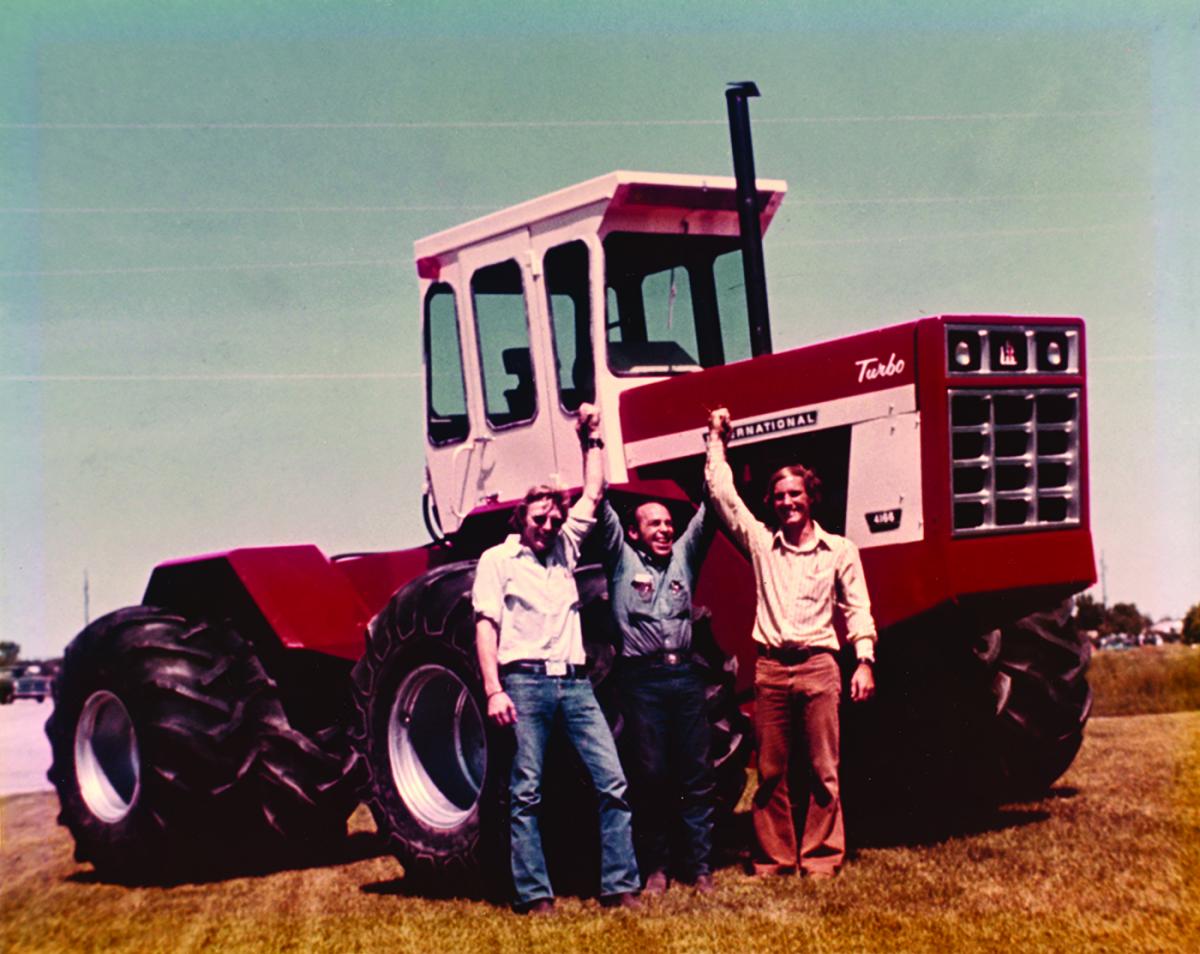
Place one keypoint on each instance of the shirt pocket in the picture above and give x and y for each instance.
(678, 597)
(815, 583)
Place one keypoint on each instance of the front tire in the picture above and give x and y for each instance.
(438, 771)
(961, 725)
(430, 757)
(1043, 700)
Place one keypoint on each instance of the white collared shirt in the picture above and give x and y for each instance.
(534, 605)
(798, 588)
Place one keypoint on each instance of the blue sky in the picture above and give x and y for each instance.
(208, 308)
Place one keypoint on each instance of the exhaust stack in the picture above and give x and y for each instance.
(748, 210)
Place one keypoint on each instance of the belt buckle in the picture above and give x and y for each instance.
(555, 668)
(671, 658)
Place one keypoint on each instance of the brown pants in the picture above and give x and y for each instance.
(796, 717)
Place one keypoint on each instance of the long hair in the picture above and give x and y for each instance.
(532, 495)
(812, 485)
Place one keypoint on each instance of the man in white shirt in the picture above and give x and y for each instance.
(530, 647)
(801, 572)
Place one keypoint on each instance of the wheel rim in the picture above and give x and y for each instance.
(106, 757)
(437, 747)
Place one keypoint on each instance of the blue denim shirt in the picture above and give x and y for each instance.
(652, 601)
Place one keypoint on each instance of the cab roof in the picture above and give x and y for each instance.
(652, 201)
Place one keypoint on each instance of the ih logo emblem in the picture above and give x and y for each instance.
(882, 520)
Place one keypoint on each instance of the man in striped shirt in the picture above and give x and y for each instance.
(801, 574)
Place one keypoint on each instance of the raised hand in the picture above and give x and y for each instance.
(720, 423)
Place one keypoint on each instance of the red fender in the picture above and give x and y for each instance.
(304, 598)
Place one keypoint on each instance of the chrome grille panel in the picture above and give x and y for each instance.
(1014, 459)
(1012, 349)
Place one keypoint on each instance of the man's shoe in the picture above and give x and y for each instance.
(820, 874)
(704, 884)
(656, 883)
(626, 900)
(542, 906)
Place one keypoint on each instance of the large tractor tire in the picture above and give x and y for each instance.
(433, 766)
(172, 756)
(1042, 698)
(960, 726)
(438, 772)
(732, 733)
(732, 736)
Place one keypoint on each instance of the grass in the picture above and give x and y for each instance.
(1109, 861)
(1145, 679)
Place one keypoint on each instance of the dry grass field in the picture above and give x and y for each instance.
(1110, 861)
(1146, 679)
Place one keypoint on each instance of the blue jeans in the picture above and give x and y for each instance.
(673, 788)
(541, 701)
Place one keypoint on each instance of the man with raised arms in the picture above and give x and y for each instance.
(801, 573)
(651, 575)
(531, 657)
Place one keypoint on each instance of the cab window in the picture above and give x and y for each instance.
(567, 293)
(674, 303)
(503, 332)
(445, 394)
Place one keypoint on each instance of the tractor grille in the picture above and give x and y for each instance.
(1014, 459)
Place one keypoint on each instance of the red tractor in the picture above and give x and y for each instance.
(239, 706)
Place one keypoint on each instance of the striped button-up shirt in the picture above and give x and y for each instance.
(798, 588)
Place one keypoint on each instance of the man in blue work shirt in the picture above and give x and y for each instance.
(651, 575)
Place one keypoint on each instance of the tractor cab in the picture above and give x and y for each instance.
(577, 296)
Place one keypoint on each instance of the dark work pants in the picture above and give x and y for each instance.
(666, 744)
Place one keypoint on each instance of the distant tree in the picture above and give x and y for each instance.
(1088, 613)
(9, 653)
(1126, 618)
(1191, 625)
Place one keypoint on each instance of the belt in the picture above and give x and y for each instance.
(792, 654)
(666, 657)
(544, 667)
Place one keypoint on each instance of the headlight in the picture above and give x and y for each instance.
(1011, 349)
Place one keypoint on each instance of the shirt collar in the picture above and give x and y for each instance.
(651, 561)
(819, 539)
(517, 548)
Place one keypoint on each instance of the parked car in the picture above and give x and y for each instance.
(32, 687)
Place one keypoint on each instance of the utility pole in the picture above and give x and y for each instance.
(1103, 580)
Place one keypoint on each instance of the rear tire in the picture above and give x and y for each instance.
(172, 757)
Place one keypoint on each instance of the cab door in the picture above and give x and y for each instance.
(565, 258)
(453, 404)
(512, 443)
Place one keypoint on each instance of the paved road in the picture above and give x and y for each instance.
(24, 748)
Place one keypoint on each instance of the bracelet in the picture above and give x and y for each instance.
(590, 442)
(498, 692)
